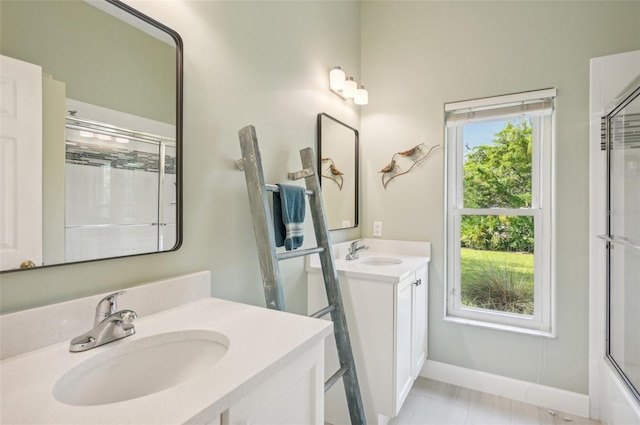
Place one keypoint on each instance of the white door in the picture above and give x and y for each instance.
(20, 163)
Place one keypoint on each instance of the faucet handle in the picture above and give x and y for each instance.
(107, 306)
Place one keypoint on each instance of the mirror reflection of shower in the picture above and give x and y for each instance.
(120, 191)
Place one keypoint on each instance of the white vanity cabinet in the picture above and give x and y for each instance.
(410, 332)
(387, 319)
(295, 395)
(271, 372)
(420, 300)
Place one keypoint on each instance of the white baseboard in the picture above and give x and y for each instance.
(515, 389)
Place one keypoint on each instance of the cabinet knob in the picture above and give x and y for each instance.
(418, 282)
(27, 264)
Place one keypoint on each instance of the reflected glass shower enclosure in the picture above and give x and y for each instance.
(120, 192)
(621, 140)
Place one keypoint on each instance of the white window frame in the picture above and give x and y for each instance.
(538, 107)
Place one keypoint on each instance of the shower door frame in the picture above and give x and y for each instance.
(607, 141)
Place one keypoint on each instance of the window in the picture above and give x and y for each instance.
(499, 211)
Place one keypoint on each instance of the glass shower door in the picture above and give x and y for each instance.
(622, 127)
(120, 192)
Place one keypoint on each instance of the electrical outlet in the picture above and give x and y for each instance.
(377, 228)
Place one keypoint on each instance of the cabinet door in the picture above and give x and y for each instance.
(293, 396)
(403, 336)
(419, 321)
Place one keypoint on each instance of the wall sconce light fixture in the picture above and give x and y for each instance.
(346, 87)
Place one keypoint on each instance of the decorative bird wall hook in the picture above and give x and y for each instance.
(389, 167)
(332, 172)
(403, 162)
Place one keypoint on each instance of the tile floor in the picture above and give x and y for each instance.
(435, 403)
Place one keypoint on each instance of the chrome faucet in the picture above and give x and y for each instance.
(354, 249)
(109, 325)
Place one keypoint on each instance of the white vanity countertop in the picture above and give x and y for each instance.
(412, 254)
(261, 342)
(392, 273)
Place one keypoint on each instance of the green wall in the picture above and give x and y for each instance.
(416, 56)
(260, 63)
(102, 60)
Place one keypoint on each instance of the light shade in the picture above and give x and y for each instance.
(350, 88)
(347, 88)
(361, 97)
(336, 78)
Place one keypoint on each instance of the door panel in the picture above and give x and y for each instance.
(21, 163)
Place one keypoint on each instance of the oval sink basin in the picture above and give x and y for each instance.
(141, 367)
(380, 261)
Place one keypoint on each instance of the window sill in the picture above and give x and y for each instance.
(499, 327)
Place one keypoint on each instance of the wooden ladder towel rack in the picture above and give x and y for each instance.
(268, 256)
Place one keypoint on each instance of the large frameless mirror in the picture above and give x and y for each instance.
(622, 143)
(91, 111)
(338, 166)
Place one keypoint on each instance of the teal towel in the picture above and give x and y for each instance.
(288, 216)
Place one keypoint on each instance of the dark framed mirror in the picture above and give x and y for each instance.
(91, 133)
(338, 164)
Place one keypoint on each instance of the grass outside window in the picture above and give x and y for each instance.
(497, 280)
